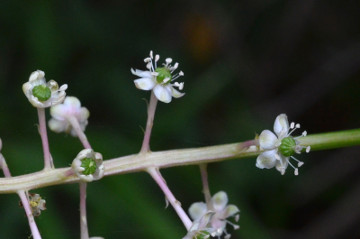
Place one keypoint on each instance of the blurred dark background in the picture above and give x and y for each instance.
(244, 62)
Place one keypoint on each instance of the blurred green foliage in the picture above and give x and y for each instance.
(244, 62)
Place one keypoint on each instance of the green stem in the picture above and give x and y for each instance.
(332, 140)
(172, 158)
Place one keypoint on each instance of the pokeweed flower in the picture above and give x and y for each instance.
(220, 214)
(42, 94)
(37, 204)
(199, 229)
(62, 112)
(159, 79)
(88, 165)
(281, 146)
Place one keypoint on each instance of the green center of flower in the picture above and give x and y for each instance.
(287, 147)
(42, 92)
(89, 165)
(163, 73)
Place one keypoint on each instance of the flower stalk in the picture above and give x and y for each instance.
(172, 158)
(149, 123)
(155, 174)
(24, 199)
(48, 162)
(205, 183)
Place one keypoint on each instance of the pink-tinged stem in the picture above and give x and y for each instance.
(48, 163)
(81, 135)
(205, 183)
(149, 123)
(4, 167)
(83, 219)
(24, 200)
(155, 174)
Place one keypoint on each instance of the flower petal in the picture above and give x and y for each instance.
(163, 93)
(282, 164)
(268, 140)
(145, 83)
(57, 126)
(142, 74)
(197, 210)
(267, 159)
(219, 200)
(230, 211)
(72, 101)
(281, 126)
(175, 93)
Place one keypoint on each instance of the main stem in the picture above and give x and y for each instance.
(171, 158)
(83, 218)
(149, 123)
(24, 200)
(48, 163)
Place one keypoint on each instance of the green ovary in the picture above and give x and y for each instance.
(287, 147)
(163, 73)
(89, 165)
(42, 92)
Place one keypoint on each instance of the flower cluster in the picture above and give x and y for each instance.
(88, 165)
(211, 219)
(280, 147)
(159, 79)
(42, 94)
(61, 113)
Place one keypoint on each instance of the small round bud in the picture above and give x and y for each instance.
(287, 147)
(88, 165)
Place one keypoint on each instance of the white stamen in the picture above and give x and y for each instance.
(297, 126)
(147, 59)
(237, 217)
(168, 61)
(308, 149)
(300, 163)
(304, 133)
(296, 172)
(181, 73)
(151, 54)
(149, 65)
(292, 125)
(166, 80)
(157, 57)
(174, 67)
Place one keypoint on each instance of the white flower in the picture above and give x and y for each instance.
(279, 147)
(219, 211)
(42, 94)
(88, 165)
(159, 79)
(61, 113)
